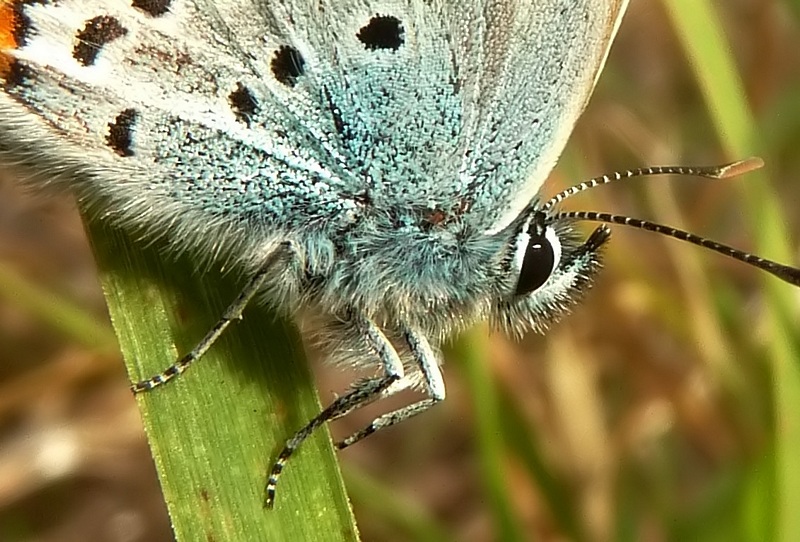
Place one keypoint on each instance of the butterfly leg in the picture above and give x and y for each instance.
(428, 365)
(360, 395)
(233, 312)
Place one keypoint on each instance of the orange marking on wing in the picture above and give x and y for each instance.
(8, 27)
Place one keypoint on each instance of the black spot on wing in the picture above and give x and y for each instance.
(243, 103)
(154, 8)
(382, 32)
(120, 132)
(97, 32)
(287, 65)
(14, 75)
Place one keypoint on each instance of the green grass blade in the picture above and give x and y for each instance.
(472, 351)
(699, 29)
(214, 431)
(403, 518)
(72, 321)
(523, 441)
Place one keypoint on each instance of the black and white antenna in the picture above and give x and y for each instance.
(725, 171)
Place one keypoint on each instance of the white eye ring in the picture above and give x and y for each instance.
(555, 242)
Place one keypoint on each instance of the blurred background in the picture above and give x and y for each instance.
(667, 407)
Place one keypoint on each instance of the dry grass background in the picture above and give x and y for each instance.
(649, 414)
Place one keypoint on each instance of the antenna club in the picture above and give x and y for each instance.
(734, 169)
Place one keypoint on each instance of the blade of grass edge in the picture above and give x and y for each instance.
(215, 429)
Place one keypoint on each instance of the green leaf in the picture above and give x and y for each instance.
(215, 429)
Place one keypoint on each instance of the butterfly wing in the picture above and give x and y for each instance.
(232, 120)
(160, 118)
(532, 66)
(446, 104)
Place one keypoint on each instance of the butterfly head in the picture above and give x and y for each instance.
(550, 267)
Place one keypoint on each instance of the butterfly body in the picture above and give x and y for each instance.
(373, 162)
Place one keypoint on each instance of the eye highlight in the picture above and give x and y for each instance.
(538, 254)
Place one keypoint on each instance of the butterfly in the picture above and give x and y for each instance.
(375, 163)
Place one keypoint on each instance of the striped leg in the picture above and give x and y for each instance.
(434, 386)
(362, 394)
(233, 312)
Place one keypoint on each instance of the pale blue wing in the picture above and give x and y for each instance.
(272, 117)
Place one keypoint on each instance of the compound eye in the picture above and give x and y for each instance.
(539, 254)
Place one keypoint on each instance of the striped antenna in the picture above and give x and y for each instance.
(783, 272)
(725, 171)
